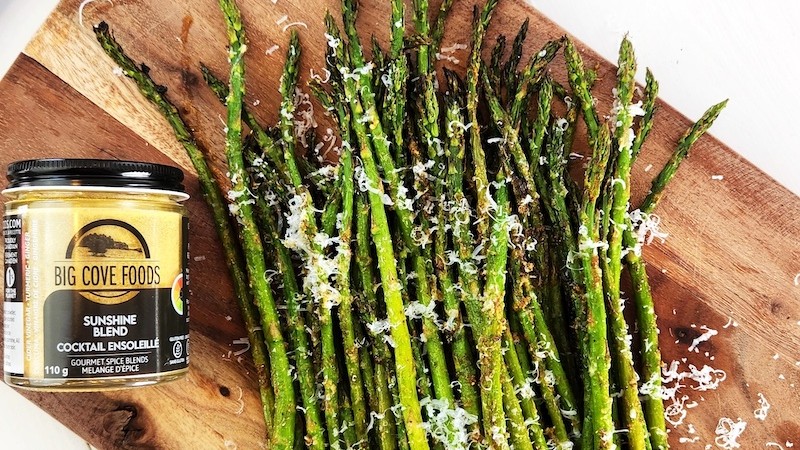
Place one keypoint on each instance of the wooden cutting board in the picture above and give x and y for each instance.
(732, 254)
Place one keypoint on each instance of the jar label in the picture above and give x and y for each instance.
(95, 292)
(13, 356)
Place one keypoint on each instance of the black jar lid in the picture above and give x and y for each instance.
(54, 172)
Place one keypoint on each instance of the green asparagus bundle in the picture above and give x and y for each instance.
(446, 284)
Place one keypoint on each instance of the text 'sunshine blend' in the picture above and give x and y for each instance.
(95, 278)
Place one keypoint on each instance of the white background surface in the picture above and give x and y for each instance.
(701, 53)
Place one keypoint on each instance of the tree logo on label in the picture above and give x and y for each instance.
(107, 257)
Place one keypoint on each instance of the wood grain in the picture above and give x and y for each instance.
(42, 117)
(732, 253)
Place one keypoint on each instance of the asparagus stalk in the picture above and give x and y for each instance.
(345, 305)
(533, 73)
(251, 242)
(481, 179)
(552, 197)
(510, 67)
(646, 123)
(406, 376)
(578, 79)
(360, 87)
(517, 429)
(494, 69)
(511, 142)
(597, 358)
(651, 354)
(264, 140)
(348, 430)
(490, 339)
(212, 194)
(681, 152)
(521, 411)
(344, 257)
(437, 34)
(388, 429)
(395, 104)
(523, 301)
(632, 415)
(314, 432)
(465, 366)
(430, 110)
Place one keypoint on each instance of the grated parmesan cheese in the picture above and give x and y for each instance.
(763, 408)
(272, 49)
(303, 116)
(416, 310)
(315, 76)
(319, 268)
(453, 48)
(586, 244)
(728, 432)
(294, 24)
(364, 185)
(332, 41)
(82, 6)
(709, 333)
(730, 323)
(447, 424)
(241, 341)
(647, 228)
(441, 56)
(379, 326)
(674, 379)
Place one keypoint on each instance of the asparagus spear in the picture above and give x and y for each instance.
(387, 428)
(685, 143)
(212, 194)
(489, 340)
(251, 241)
(510, 67)
(533, 73)
(481, 179)
(494, 69)
(323, 294)
(646, 123)
(462, 359)
(632, 414)
(651, 355)
(437, 34)
(578, 79)
(378, 141)
(387, 264)
(314, 432)
(264, 140)
(597, 359)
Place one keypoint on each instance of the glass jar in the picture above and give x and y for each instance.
(95, 274)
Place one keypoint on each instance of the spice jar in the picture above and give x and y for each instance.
(95, 276)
